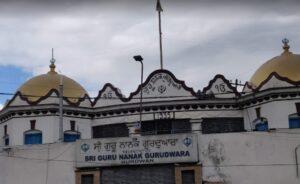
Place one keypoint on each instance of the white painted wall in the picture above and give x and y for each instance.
(82, 125)
(49, 125)
(235, 158)
(250, 157)
(32, 165)
(220, 89)
(17, 126)
(274, 82)
(178, 115)
(277, 113)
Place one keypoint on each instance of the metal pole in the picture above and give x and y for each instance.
(61, 109)
(141, 95)
(139, 58)
(160, 40)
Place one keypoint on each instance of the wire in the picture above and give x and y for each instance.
(60, 154)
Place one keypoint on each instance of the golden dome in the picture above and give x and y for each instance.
(286, 65)
(39, 86)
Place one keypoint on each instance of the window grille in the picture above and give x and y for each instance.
(114, 130)
(222, 125)
(166, 126)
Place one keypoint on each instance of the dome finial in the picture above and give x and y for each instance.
(285, 46)
(52, 61)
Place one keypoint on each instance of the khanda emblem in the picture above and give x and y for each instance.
(85, 147)
(161, 88)
(187, 141)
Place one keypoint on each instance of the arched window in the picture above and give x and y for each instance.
(71, 136)
(294, 121)
(33, 137)
(260, 124)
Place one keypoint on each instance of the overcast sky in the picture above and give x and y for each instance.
(94, 41)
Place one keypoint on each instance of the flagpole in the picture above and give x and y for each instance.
(159, 10)
(160, 41)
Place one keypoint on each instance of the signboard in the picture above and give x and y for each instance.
(172, 148)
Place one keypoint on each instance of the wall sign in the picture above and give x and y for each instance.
(156, 149)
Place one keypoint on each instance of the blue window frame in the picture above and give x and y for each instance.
(71, 136)
(260, 124)
(33, 137)
(294, 122)
(263, 126)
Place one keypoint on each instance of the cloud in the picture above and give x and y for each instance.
(94, 41)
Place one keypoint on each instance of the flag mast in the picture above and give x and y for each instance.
(159, 10)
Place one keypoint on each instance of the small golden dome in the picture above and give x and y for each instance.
(286, 65)
(39, 86)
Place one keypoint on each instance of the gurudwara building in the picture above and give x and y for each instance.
(214, 135)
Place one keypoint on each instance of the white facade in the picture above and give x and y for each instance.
(48, 125)
(243, 157)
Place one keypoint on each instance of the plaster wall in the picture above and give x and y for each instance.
(82, 125)
(17, 126)
(232, 158)
(249, 157)
(178, 115)
(38, 164)
(277, 113)
(49, 125)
